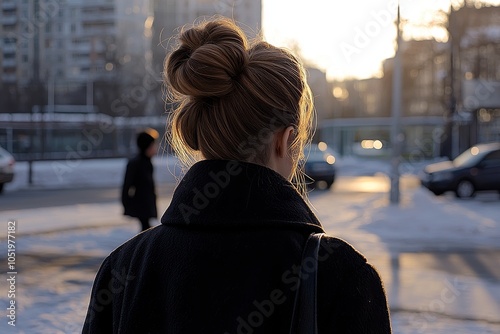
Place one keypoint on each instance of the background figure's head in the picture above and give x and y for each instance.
(146, 142)
(235, 100)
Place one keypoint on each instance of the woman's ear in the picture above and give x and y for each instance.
(283, 140)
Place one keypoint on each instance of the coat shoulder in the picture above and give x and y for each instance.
(340, 261)
(352, 294)
(340, 251)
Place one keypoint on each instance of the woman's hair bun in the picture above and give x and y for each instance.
(209, 59)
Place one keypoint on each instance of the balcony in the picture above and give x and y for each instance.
(98, 17)
(9, 4)
(80, 47)
(9, 63)
(9, 48)
(9, 77)
(81, 62)
(87, 47)
(8, 20)
(97, 4)
(99, 31)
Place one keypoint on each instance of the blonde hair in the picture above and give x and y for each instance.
(231, 97)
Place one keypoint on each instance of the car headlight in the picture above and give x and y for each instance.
(442, 176)
(330, 159)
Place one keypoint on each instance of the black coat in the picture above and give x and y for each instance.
(225, 259)
(138, 190)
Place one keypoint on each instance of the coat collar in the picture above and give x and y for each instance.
(237, 194)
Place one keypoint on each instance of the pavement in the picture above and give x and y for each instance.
(432, 286)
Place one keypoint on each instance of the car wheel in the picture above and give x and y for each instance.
(465, 189)
(1, 188)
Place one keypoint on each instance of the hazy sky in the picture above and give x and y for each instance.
(347, 38)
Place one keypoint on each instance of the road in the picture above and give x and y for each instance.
(57, 269)
(46, 198)
(42, 198)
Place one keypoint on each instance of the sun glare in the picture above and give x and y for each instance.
(336, 37)
(349, 39)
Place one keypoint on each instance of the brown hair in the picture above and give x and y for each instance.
(232, 97)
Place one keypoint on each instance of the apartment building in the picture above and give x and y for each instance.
(475, 35)
(425, 67)
(171, 15)
(8, 56)
(99, 56)
(451, 89)
(55, 51)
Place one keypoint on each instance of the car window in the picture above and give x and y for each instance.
(492, 159)
(467, 158)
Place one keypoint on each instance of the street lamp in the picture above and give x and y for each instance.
(396, 115)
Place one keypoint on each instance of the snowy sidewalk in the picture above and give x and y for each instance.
(422, 299)
(397, 239)
(74, 174)
(87, 173)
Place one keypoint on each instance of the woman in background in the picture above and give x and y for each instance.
(138, 190)
(226, 256)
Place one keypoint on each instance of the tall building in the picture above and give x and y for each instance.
(425, 64)
(171, 15)
(475, 44)
(57, 52)
(9, 61)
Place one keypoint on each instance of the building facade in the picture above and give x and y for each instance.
(171, 15)
(65, 52)
(452, 87)
(475, 47)
(66, 65)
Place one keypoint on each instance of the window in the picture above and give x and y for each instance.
(492, 160)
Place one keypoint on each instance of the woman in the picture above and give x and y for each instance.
(226, 255)
(138, 189)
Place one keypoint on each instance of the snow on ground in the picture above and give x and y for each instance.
(77, 173)
(421, 218)
(436, 222)
(390, 236)
(54, 297)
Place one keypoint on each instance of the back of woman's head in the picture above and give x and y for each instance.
(232, 97)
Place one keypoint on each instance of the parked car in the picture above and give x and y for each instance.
(476, 169)
(319, 165)
(6, 167)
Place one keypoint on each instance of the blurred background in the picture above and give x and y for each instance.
(394, 95)
(78, 77)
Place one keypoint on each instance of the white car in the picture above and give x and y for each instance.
(6, 167)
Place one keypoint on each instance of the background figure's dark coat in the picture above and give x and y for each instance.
(138, 190)
(225, 260)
